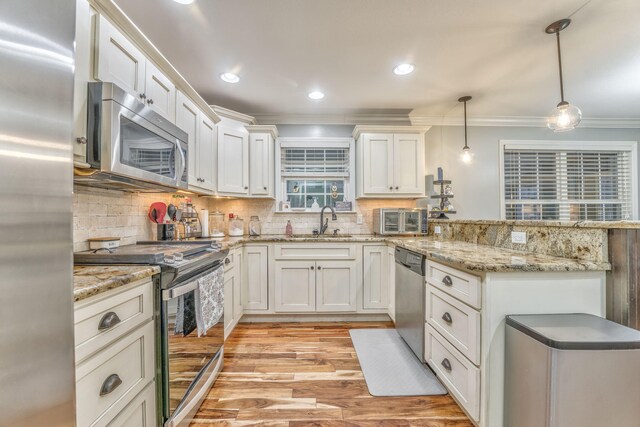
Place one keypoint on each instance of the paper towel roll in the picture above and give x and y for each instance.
(204, 222)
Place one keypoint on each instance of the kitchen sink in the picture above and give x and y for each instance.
(321, 236)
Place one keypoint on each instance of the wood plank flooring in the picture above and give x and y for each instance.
(307, 374)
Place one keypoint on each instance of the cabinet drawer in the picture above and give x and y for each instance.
(460, 285)
(107, 317)
(457, 322)
(108, 381)
(455, 371)
(230, 261)
(140, 412)
(315, 251)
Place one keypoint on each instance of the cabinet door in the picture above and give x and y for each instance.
(206, 154)
(391, 281)
(259, 164)
(336, 288)
(256, 278)
(238, 273)
(160, 92)
(408, 164)
(376, 291)
(187, 119)
(295, 286)
(233, 161)
(229, 287)
(377, 165)
(118, 60)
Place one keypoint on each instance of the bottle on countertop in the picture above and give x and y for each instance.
(289, 229)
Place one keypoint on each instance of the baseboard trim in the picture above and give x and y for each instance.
(315, 317)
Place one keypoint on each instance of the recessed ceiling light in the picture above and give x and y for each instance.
(403, 69)
(316, 94)
(184, 1)
(229, 77)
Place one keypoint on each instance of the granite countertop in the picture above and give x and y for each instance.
(545, 223)
(90, 280)
(470, 256)
(483, 258)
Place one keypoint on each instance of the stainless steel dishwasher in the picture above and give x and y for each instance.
(410, 299)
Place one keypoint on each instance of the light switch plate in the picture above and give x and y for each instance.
(437, 229)
(519, 237)
(359, 219)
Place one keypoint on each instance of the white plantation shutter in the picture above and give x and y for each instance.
(574, 184)
(317, 162)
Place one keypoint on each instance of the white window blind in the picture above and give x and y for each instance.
(317, 162)
(562, 184)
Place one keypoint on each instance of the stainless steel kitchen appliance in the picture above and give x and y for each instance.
(130, 146)
(37, 368)
(398, 221)
(410, 299)
(188, 363)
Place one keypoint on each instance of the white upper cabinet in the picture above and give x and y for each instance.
(119, 61)
(233, 161)
(206, 153)
(390, 161)
(262, 160)
(187, 119)
(160, 92)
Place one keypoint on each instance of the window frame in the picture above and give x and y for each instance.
(536, 145)
(312, 142)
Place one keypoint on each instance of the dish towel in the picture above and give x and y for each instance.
(185, 314)
(209, 300)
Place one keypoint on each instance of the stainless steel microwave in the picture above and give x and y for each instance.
(396, 221)
(130, 145)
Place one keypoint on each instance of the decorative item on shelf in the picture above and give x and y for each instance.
(565, 116)
(343, 206)
(254, 226)
(467, 157)
(285, 206)
(189, 225)
(334, 191)
(446, 193)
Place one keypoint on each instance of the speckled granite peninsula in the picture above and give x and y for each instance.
(92, 280)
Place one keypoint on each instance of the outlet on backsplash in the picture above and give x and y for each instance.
(519, 237)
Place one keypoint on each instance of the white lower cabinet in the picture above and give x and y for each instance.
(375, 277)
(295, 286)
(256, 278)
(336, 286)
(233, 307)
(115, 358)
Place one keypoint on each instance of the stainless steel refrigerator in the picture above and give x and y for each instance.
(36, 303)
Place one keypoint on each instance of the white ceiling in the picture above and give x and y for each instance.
(495, 50)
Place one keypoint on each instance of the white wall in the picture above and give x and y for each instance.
(476, 186)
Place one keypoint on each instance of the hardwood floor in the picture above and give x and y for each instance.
(307, 374)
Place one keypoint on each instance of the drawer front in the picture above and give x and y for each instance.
(460, 376)
(140, 412)
(458, 284)
(457, 322)
(315, 251)
(110, 316)
(109, 380)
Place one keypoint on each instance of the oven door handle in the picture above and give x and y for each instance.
(172, 293)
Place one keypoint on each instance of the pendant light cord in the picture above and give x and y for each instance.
(465, 125)
(559, 66)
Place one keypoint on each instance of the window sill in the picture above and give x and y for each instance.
(327, 211)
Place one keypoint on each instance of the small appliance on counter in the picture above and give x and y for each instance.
(398, 221)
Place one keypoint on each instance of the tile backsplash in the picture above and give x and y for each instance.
(101, 213)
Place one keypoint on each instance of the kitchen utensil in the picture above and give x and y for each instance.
(161, 212)
(171, 211)
(153, 215)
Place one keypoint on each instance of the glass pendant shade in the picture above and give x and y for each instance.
(564, 117)
(466, 157)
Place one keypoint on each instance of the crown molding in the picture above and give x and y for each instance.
(234, 115)
(520, 121)
(332, 119)
(360, 129)
(270, 129)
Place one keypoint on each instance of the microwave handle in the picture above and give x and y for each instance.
(183, 161)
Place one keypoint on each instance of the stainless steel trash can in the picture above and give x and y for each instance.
(571, 370)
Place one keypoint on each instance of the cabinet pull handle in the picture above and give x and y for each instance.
(111, 383)
(446, 364)
(108, 321)
(312, 267)
(391, 188)
(143, 96)
(446, 280)
(397, 188)
(149, 101)
(265, 188)
(83, 140)
(246, 188)
(227, 261)
(319, 268)
(447, 317)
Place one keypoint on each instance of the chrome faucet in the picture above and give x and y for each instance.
(324, 224)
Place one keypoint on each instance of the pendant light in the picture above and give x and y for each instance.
(466, 150)
(565, 116)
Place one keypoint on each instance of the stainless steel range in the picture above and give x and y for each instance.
(188, 363)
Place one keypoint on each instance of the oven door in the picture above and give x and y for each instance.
(190, 363)
(135, 147)
(411, 221)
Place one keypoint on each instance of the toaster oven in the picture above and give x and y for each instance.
(398, 221)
